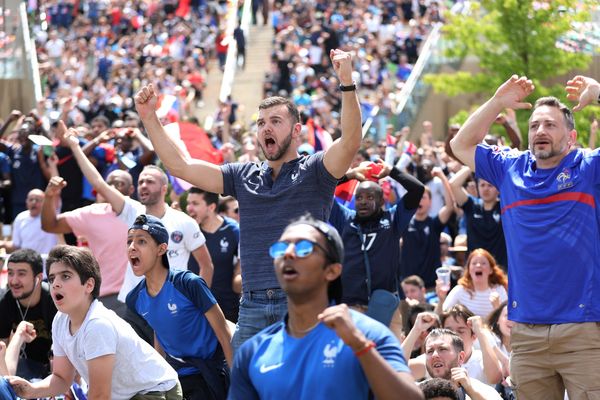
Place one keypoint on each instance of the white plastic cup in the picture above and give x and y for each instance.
(443, 274)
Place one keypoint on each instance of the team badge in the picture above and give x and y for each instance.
(177, 236)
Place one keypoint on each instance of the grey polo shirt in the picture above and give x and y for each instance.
(268, 206)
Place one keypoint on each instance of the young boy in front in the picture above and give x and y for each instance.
(92, 340)
(187, 321)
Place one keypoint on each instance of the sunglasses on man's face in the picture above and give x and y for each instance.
(302, 248)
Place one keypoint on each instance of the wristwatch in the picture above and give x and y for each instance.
(348, 88)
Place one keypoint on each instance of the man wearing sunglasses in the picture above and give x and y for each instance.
(320, 349)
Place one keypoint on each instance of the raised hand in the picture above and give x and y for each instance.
(27, 331)
(461, 377)
(495, 299)
(342, 65)
(340, 320)
(146, 101)
(512, 92)
(476, 324)
(583, 90)
(424, 321)
(55, 186)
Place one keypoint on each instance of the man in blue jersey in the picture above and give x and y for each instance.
(222, 238)
(320, 350)
(372, 235)
(550, 219)
(272, 193)
(188, 324)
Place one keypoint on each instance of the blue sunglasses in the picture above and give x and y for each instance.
(302, 248)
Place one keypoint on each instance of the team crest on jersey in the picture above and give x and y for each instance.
(384, 223)
(564, 179)
(330, 353)
(172, 307)
(177, 236)
(224, 245)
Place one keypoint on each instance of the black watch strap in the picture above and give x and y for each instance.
(348, 88)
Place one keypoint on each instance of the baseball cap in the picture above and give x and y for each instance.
(156, 229)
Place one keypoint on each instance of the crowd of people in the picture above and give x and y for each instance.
(396, 266)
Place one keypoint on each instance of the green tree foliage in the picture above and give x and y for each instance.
(515, 37)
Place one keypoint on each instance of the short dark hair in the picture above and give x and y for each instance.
(494, 317)
(281, 101)
(456, 312)
(209, 197)
(551, 101)
(457, 342)
(439, 387)
(223, 201)
(81, 260)
(28, 256)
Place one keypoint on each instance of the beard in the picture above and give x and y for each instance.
(282, 148)
(546, 154)
(151, 199)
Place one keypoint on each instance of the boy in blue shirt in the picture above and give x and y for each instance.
(320, 350)
(188, 324)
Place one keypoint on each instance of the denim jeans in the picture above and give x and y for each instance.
(258, 309)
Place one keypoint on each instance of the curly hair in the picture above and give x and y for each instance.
(497, 277)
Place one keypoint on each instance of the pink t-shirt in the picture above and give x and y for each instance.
(107, 239)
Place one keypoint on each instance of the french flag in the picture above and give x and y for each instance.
(344, 193)
(318, 137)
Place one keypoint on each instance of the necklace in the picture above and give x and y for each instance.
(23, 315)
(301, 332)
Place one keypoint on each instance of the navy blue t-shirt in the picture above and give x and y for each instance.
(381, 239)
(26, 174)
(223, 246)
(421, 249)
(484, 229)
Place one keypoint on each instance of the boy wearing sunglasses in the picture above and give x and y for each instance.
(319, 349)
(189, 325)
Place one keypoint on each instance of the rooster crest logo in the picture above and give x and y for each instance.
(330, 353)
(564, 176)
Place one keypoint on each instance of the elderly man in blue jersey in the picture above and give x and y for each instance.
(372, 235)
(550, 218)
(271, 193)
(320, 350)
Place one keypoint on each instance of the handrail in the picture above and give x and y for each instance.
(415, 74)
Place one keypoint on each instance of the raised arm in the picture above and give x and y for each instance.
(456, 184)
(339, 156)
(110, 193)
(491, 366)
(509, 95)
(200, 173)
(51, 222)
(593, 132)
(584, 91)
(448, 208)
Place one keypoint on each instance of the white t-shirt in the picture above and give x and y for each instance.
(479, 303)
(28, 234)
(138, 367)
(436, 186)
(184, 234)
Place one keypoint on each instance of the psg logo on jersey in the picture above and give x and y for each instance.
(177, 236)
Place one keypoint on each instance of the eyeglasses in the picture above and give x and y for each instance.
(302, 248)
